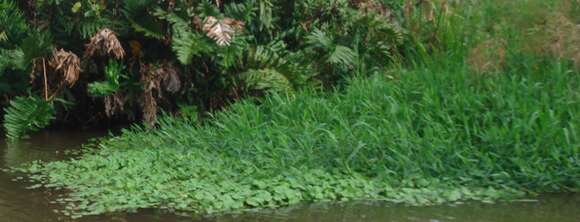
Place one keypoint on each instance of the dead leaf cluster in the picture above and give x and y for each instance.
(105, 43)
(222, 30)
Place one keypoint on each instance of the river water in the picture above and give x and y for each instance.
(18, 204)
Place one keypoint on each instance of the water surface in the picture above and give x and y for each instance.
(18, 204)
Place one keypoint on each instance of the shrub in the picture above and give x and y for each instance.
(213, 49)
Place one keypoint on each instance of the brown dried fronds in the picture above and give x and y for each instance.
(374, 6)
(151, 85)
(487, 56)
(105, 43)
(149, 108)
(557, 37)
(155, 79)
(161, 77)
(563, 38)
(222, 31)
(68, 64)
(114, 104)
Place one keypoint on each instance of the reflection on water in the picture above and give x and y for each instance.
(18, 204)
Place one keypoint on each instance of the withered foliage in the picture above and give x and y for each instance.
(155, 80)
(427, 8)
(373, 6)
(222, 31)
(68, 64)
(105, 43)
(563, 38)
(114, 104)
(487, 56)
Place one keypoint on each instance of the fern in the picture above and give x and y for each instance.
(37, 44)
(13, 59)
(25, 115)
(342, 55)
(113, 72)
(13, 26)
(140, 20)
(333, 53)
(186, 43)
(89, 26)
(267, 80)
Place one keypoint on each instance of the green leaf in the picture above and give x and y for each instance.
(25, 115)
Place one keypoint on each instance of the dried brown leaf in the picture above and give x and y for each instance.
(155, 79)
(222, 31)
(105, 43)
(68, 64)
(114, 104)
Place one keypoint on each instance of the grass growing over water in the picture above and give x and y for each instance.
(428, 135)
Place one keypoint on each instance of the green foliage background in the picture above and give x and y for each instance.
(284, 45)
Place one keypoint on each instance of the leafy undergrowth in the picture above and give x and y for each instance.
(425, 136)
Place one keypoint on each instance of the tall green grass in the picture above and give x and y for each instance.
(426, 135)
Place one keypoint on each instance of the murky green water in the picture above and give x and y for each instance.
(18, 204)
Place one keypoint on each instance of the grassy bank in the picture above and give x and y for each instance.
(422, 136)
(481, 105)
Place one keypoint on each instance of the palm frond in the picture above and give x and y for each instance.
(13, 26)
(140, 20)
(342, 55)
(25, 115)
(187, 44)
(13, 58)
(266, 80)
(333, 53)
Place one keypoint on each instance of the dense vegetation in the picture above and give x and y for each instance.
(476, 100)
(429, 137)
(124, 60)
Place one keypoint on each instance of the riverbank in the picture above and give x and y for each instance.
(478, 105)
(422, 136)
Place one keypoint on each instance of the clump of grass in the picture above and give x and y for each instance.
(435, 134)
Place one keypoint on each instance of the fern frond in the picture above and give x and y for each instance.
(318, 38)
(25, 115)
(187, 44)
(342, 55)
(140, 20)
(13, 58)
(13, 26)
(37, 44)
(267, 80)
(334, 54)
(270, 55)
